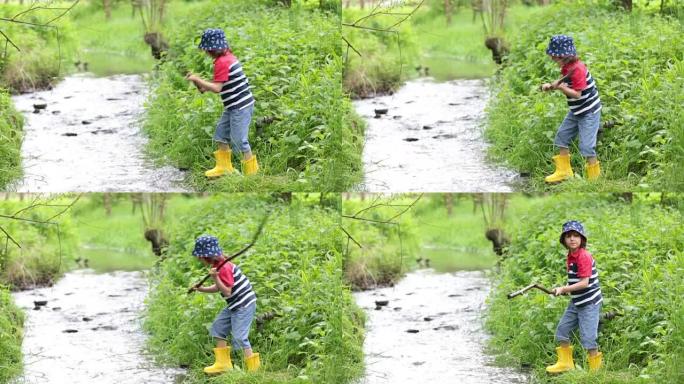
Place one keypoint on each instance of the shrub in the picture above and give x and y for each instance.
(638, 250)
(639, 80)
(295, 269)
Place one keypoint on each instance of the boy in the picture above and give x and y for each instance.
(232, 85)
(237, 317)
(585, 305)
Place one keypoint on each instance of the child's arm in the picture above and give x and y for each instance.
(203, 84)
(567, 91)
(227, 291)
(583, 283)
(209, 289)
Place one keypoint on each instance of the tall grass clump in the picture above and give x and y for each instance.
(638, 248)
(295, 269)
(387, 58)
(45, 248)
(38, 64)
(378, 253)
(636, 59)
(293, 60)
(11, 323)
(11, 123)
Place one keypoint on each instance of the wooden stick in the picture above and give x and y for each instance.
(236, 254)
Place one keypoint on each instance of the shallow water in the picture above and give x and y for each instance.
(431, 139)
(446, 311)
(88, 138)
(89, 332)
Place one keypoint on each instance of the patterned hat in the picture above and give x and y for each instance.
(213, 39)
(573, 225)
(207, 246)
(561, 45)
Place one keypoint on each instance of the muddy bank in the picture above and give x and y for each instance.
(86, 329)
(428, 329)
(428, 137)
(84, 135)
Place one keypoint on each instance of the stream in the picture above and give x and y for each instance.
(430, 139)
(88, 331)
(430, 332)
(87, 138)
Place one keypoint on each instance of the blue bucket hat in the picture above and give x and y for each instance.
(561, 45)
(573, 225)
(213, 39)
(207, 246)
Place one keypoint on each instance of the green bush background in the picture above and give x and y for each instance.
(637, 61)
(292, 58)
(295, 269)
(639, 251)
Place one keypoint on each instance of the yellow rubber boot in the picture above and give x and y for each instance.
(222, 364)
(593, 171)
(564, 362)
(251, 166)
(223, 164)
(563, 169)
(253, 362)
(595, 362)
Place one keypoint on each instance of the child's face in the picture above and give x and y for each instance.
(205, 260)
(573, 240)
(557, 59)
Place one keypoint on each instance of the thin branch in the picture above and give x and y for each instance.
(349, 45)
(9, 237)
(350, 237)
(7, 39)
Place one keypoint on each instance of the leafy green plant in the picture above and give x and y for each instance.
(295, 269)
(11, 323)
(11, 123)
(638, 250)
(639, 80)
(292, 58)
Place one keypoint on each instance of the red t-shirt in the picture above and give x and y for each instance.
(578, 79)
(225, 273)
(583, 259)
(222, 67)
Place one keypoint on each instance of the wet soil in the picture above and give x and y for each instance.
(430, 331)
(87, 329)
(430, 139)
(84, 135)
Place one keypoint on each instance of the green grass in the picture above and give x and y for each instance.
(11, 123)
(112, 242)
(455, 242)
(11, 331)
(454, 51)
(295, 270)
(116, 46)
(640, 82)
(387, 251)
(638, 249)
(292, 59)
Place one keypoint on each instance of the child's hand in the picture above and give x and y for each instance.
(191, 77)
(547, 87)
(559, 291)
(213, 273)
